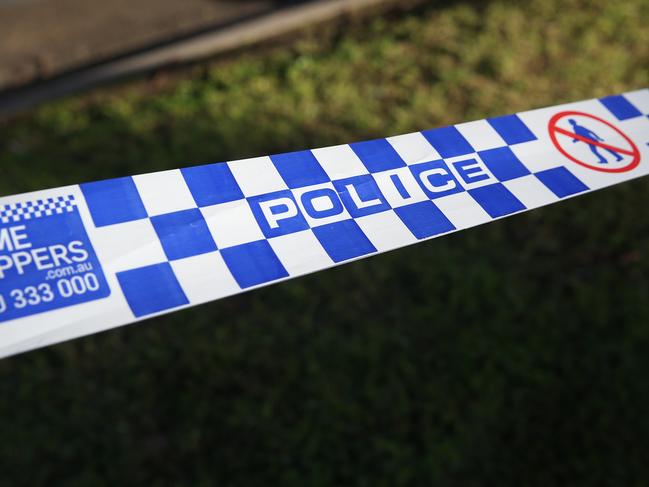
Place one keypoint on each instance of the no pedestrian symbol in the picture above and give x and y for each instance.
(593, 142)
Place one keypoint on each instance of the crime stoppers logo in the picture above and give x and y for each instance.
(46, 259)
(593, 142)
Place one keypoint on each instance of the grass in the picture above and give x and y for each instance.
(510, 354)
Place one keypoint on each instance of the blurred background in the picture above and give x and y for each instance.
(514, 353)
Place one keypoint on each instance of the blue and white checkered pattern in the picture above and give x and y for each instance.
(207, 230)
(26, 210)
(121, 250)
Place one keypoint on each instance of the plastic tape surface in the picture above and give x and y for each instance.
(84, 258)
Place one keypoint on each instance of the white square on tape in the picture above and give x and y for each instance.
(257, 176)
(232, 223)
(204, 277)
(413, 148)
(127, 245)
(538, 155)
(340, 162)
(300, 252)
(386, 231)
(164, 192)
(481, 135)
(530, 191)
(462, 210)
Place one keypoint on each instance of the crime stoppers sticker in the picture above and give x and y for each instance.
(46, 259)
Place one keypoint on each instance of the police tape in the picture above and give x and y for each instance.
(84, 258)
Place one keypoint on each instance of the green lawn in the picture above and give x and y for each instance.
(516, 353)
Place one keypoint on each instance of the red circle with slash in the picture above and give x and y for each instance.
(631, 150)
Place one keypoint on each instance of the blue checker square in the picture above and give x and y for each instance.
(561, 181)
(496, 200)
(183, 233)
(361, 195)
(512, 129)
(620, 107)
(424, 219)
(113, 201)
(503, 163)
(211, 184)
(253, 263)
(435, 178)
(277, 213)
(377, 155)
(151, 289)
(448, 141)
(299, 169)
(343, 240)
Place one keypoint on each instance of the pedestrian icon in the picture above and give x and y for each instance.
(588, 134)
(593, 142)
